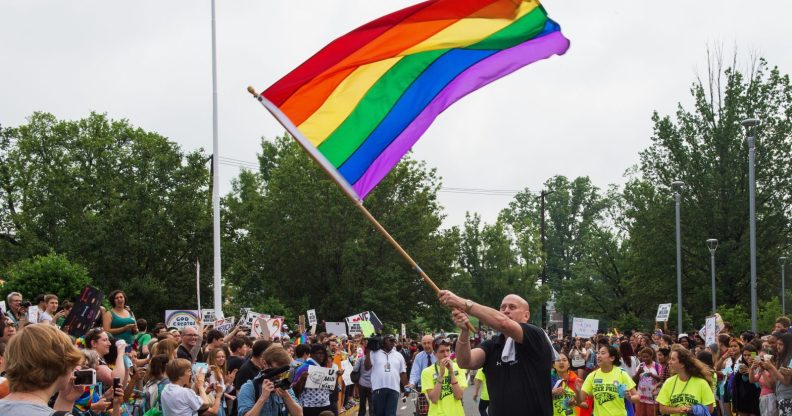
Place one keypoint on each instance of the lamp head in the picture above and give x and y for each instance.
(677, 185)
(750, 122)
(782, 260)
(712, 244)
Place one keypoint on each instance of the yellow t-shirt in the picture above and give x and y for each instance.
(558, 401)
(447, 405)
(484, 394)
(676, 392)
(604, 388)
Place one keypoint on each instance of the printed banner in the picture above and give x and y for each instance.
(353, 322)
(584, 328)
(663, 310)
(84, 312)
(181, 319)
(321, 378)
(208, 315)
(224, 325)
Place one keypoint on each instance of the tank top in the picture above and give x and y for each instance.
(119, 322)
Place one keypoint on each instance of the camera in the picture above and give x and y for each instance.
(272, 374)
(85, 377)
(374, 343)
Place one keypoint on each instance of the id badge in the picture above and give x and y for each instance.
(387, 368)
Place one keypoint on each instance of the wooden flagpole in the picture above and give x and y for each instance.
(346, 189)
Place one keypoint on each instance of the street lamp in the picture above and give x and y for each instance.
(712, 244)
(677, 185)
(782, 261)
(748, 123)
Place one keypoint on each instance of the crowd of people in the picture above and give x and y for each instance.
(123, 367)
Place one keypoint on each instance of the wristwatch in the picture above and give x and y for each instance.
(468, 305)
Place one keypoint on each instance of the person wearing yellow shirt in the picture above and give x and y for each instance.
(444, 382)
(481, 393)
(608, 385)
(688, 387)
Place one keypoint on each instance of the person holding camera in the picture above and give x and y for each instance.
(182, 397)
(270, 393)
(388, 375)
(119, 320)
(29, 353)
(17, 309)
(443, 382)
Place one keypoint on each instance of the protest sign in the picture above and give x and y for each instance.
(367, 328)
(347, 377)
(321, 378)
(3, 306)
(181, 318)
(663, 310)
(224, 325)
(710, 330)
(84, 312)
(353, 322)
(208, 315)
(403, 331)
(250, 319)
(584, 328)
(374, 319)
(336, 328)
(267, 327)
(33, 314)
(311, 317)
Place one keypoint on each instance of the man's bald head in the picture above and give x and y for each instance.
(426, 343)
(516, 308)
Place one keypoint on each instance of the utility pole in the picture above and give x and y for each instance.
(542, 234)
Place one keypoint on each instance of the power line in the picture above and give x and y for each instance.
(243, 164)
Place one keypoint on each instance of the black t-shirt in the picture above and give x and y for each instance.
(248, 371)
(183, 352)
(234, 363)
(521, 387)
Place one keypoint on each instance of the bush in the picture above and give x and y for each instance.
(52, 273)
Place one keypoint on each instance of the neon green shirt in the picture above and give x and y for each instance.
(447, 405)
(676, 392)
(484, 394)
(604, 388)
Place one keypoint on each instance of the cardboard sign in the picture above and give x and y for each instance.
(321, 378)
(311, 317)
(663, 310)
(336, 328)
(367, 328)
(33, 314)
(250, 318)
(403, 331)
(353, 322)
(84, 312)
(584, 328)
(180, 319)
(267, 327)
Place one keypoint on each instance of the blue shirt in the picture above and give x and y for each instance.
(421, 361)
(275, 406)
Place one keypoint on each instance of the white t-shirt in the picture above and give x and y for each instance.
(179, 401)
(44, 317)
(386, 369)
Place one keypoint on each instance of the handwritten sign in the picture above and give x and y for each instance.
(584, 328)
(84, 312)
(180, 319)
(311, 317)
(663, 311)
(321, 378)
(347, 377)
(710, 330)
(208, 315)
(224, 325)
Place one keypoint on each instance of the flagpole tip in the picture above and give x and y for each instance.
(252, 91)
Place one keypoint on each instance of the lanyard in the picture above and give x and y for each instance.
(673, 388)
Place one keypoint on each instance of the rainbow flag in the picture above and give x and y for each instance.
(359, 104)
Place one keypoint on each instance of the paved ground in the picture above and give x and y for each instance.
(407, 409)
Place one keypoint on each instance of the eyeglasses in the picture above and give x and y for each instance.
(440, 341)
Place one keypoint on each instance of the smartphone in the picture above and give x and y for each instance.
(200, 368)
(116, 383)
(128, 349)
(85, 377)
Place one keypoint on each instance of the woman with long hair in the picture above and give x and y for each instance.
(729, 348)
(218, 374)
(157, 379)
(609, 385)
(577, 357)
(782, 374)
(689, 386)
(629, 361)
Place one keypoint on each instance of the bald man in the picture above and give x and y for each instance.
(422, 360)
(517, 362)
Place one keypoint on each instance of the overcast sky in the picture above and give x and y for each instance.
(585, 113)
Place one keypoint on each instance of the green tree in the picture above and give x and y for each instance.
(705, 147)
(291, 235)
(128, 204)
(52, 273)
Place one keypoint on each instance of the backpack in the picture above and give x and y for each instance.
(156, 410)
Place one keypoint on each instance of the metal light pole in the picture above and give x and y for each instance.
(748, 123)
(783, 260)
(218, 282)
(712, 244)
(677, 185)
